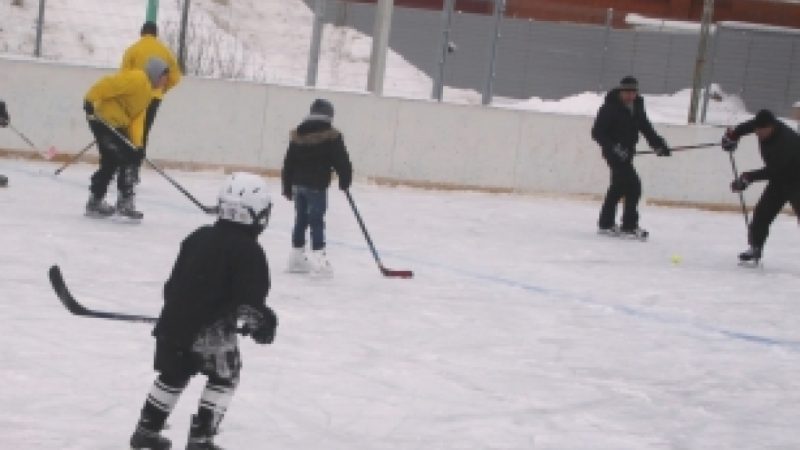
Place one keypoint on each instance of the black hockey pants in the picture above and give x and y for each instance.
(625, 184)
(772, 201)
(115, 156)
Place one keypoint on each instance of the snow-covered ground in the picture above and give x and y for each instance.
(268, 41)
(522, 329)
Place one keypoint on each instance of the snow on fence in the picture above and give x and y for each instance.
(213, 122)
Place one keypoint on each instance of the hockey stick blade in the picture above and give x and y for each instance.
(396, 273)
(72, 305)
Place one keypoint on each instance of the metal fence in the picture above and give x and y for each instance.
(225, 39)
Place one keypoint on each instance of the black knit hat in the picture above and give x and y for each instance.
(149, 28)
(765, 118)
(629, 83)
(322, 107)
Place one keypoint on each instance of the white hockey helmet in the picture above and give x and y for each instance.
(244, 199)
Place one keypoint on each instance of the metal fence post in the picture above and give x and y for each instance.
(606, 45)
(182, 36)
(710, 77)
(499, 14)
(702, 49)
(316, 43)
(447, 22)
(380, 46)
(37, 50)
(152, 11)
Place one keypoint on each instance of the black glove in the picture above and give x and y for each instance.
(730, 140)
(741, 183)
(4, 119)
(260, 325)
(620, 152)
(288, 195)
(663, 149)
(88, 107)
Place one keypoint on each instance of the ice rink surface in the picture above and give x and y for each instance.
(522, 329)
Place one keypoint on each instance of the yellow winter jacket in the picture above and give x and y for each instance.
(137, 55)
(121, 99)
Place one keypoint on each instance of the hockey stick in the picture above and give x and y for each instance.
(46, 155)
(74, 158)
(127, 142)
(386, 272)
(682, 148)
(72, 305)
(741, 194)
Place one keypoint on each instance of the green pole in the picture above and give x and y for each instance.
(152, 10)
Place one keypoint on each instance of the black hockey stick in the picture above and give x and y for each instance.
(741, 194)
(386, 272)
(127, 142)
(74, 158)
(682, 148)
(72, 305)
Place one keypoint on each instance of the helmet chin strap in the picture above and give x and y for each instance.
(263, 215)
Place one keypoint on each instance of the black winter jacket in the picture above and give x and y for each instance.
(315, 150)
(781, 153)
(219, 268)
(617, 124)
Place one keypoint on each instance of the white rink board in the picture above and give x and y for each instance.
(247, 124)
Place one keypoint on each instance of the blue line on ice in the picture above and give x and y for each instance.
(587, 300)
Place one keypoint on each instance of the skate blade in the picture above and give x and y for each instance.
(96, 215)
(125, 220)
(751, 264)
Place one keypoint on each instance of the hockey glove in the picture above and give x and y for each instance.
(288, 195)
(620, 152)
(663, 150)
(88, 108)
(260, 325)
(3, 115)
(741, 183)
(730, 140)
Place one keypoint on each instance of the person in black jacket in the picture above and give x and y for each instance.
(780, 150)
(316, 149)
(4, 119)
(616, 128)
(220, 278)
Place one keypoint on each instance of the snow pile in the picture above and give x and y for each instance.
(723, 108)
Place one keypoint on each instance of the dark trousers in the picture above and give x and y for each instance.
(115, 156)
(309, 206)
(772, 201)
(625, 184)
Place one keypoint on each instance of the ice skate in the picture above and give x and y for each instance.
(320, 266)
(126, 207)
(97, 207)
(298, 261)
(3, 181)
(751, 257)
(144, 439)
(612, 231)
(201, 436)
(634, 233)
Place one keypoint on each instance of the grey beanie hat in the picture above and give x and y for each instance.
(154, 69)
(322, 107)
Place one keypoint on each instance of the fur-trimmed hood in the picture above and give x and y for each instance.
(314, 131)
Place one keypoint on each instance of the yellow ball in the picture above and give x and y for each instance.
(676, 259)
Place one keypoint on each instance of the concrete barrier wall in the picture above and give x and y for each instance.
(247, 124)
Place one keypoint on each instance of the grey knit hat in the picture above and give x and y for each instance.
(154, 69)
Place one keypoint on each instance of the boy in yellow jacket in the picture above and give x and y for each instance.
(120, 101)
(136, 57)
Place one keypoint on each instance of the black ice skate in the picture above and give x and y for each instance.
(3, 181)
(635, 233)
(751, 257)
(144, 439)
(201, 436)
(126, 207)
(97, 207)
